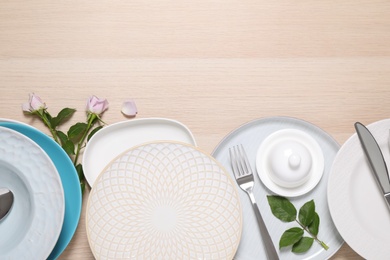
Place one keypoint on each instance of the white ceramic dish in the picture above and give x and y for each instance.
(251, 135)
(164, 200)
(114, 139)
(34, 222)
(312, 163)
(69, 178)
(355, 201)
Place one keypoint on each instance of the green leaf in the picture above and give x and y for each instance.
(44, 116)
(62, 136)
(290, 237)
(314, 226)
(82, 186)
(302, 245)
(47, 115)
(68, 146)
(306, 213)
(80, 172)
(282, 208)
(62, 115)
(94, 131)
(76, 131)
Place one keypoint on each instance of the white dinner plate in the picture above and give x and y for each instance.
(355, 201)
(33, 225)
(164, 200)
(114, 139)
(251, 135)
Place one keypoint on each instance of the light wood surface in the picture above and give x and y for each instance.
(213, 65)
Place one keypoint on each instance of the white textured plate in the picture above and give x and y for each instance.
(69, 179)
(316, 169)
(34, 223)
(114, 139)
(355, 201)
(164, 200)
(251, 136)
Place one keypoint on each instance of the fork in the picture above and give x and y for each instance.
(244, 177)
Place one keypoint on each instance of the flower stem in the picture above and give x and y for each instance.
(91, 122)
(43, 115)
(313, 236)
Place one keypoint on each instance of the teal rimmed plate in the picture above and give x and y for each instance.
(69, 179)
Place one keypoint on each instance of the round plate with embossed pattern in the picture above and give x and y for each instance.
(33, 225)
(164, 200)
(69, 178)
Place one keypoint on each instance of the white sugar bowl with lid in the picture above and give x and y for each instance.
(290, 162)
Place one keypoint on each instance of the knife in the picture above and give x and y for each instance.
(6, 201)
(375, 157)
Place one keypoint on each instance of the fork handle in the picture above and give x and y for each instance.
(267, 241)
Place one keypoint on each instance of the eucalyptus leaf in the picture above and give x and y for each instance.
(306, 213)
(76, 131)
(282, 208)
(94, 131)
(290, 237)
(314, 226)
(302, 245)
(62, 115)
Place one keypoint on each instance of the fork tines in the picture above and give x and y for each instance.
(239, 160)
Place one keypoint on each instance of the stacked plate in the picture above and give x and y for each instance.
(269, 132)
(350, 203)
(47, 195)
(155, 195)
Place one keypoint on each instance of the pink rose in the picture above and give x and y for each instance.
(96, 105)
(129, 108)
(34, 104)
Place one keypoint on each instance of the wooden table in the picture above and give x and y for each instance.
(213, 65)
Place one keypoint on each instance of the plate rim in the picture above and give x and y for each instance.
(91, 176)
(248, 123)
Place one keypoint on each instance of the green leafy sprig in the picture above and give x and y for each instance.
(73, 140)
(308, 220)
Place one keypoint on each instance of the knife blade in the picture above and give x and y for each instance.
(6, 201)
(375, 158)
